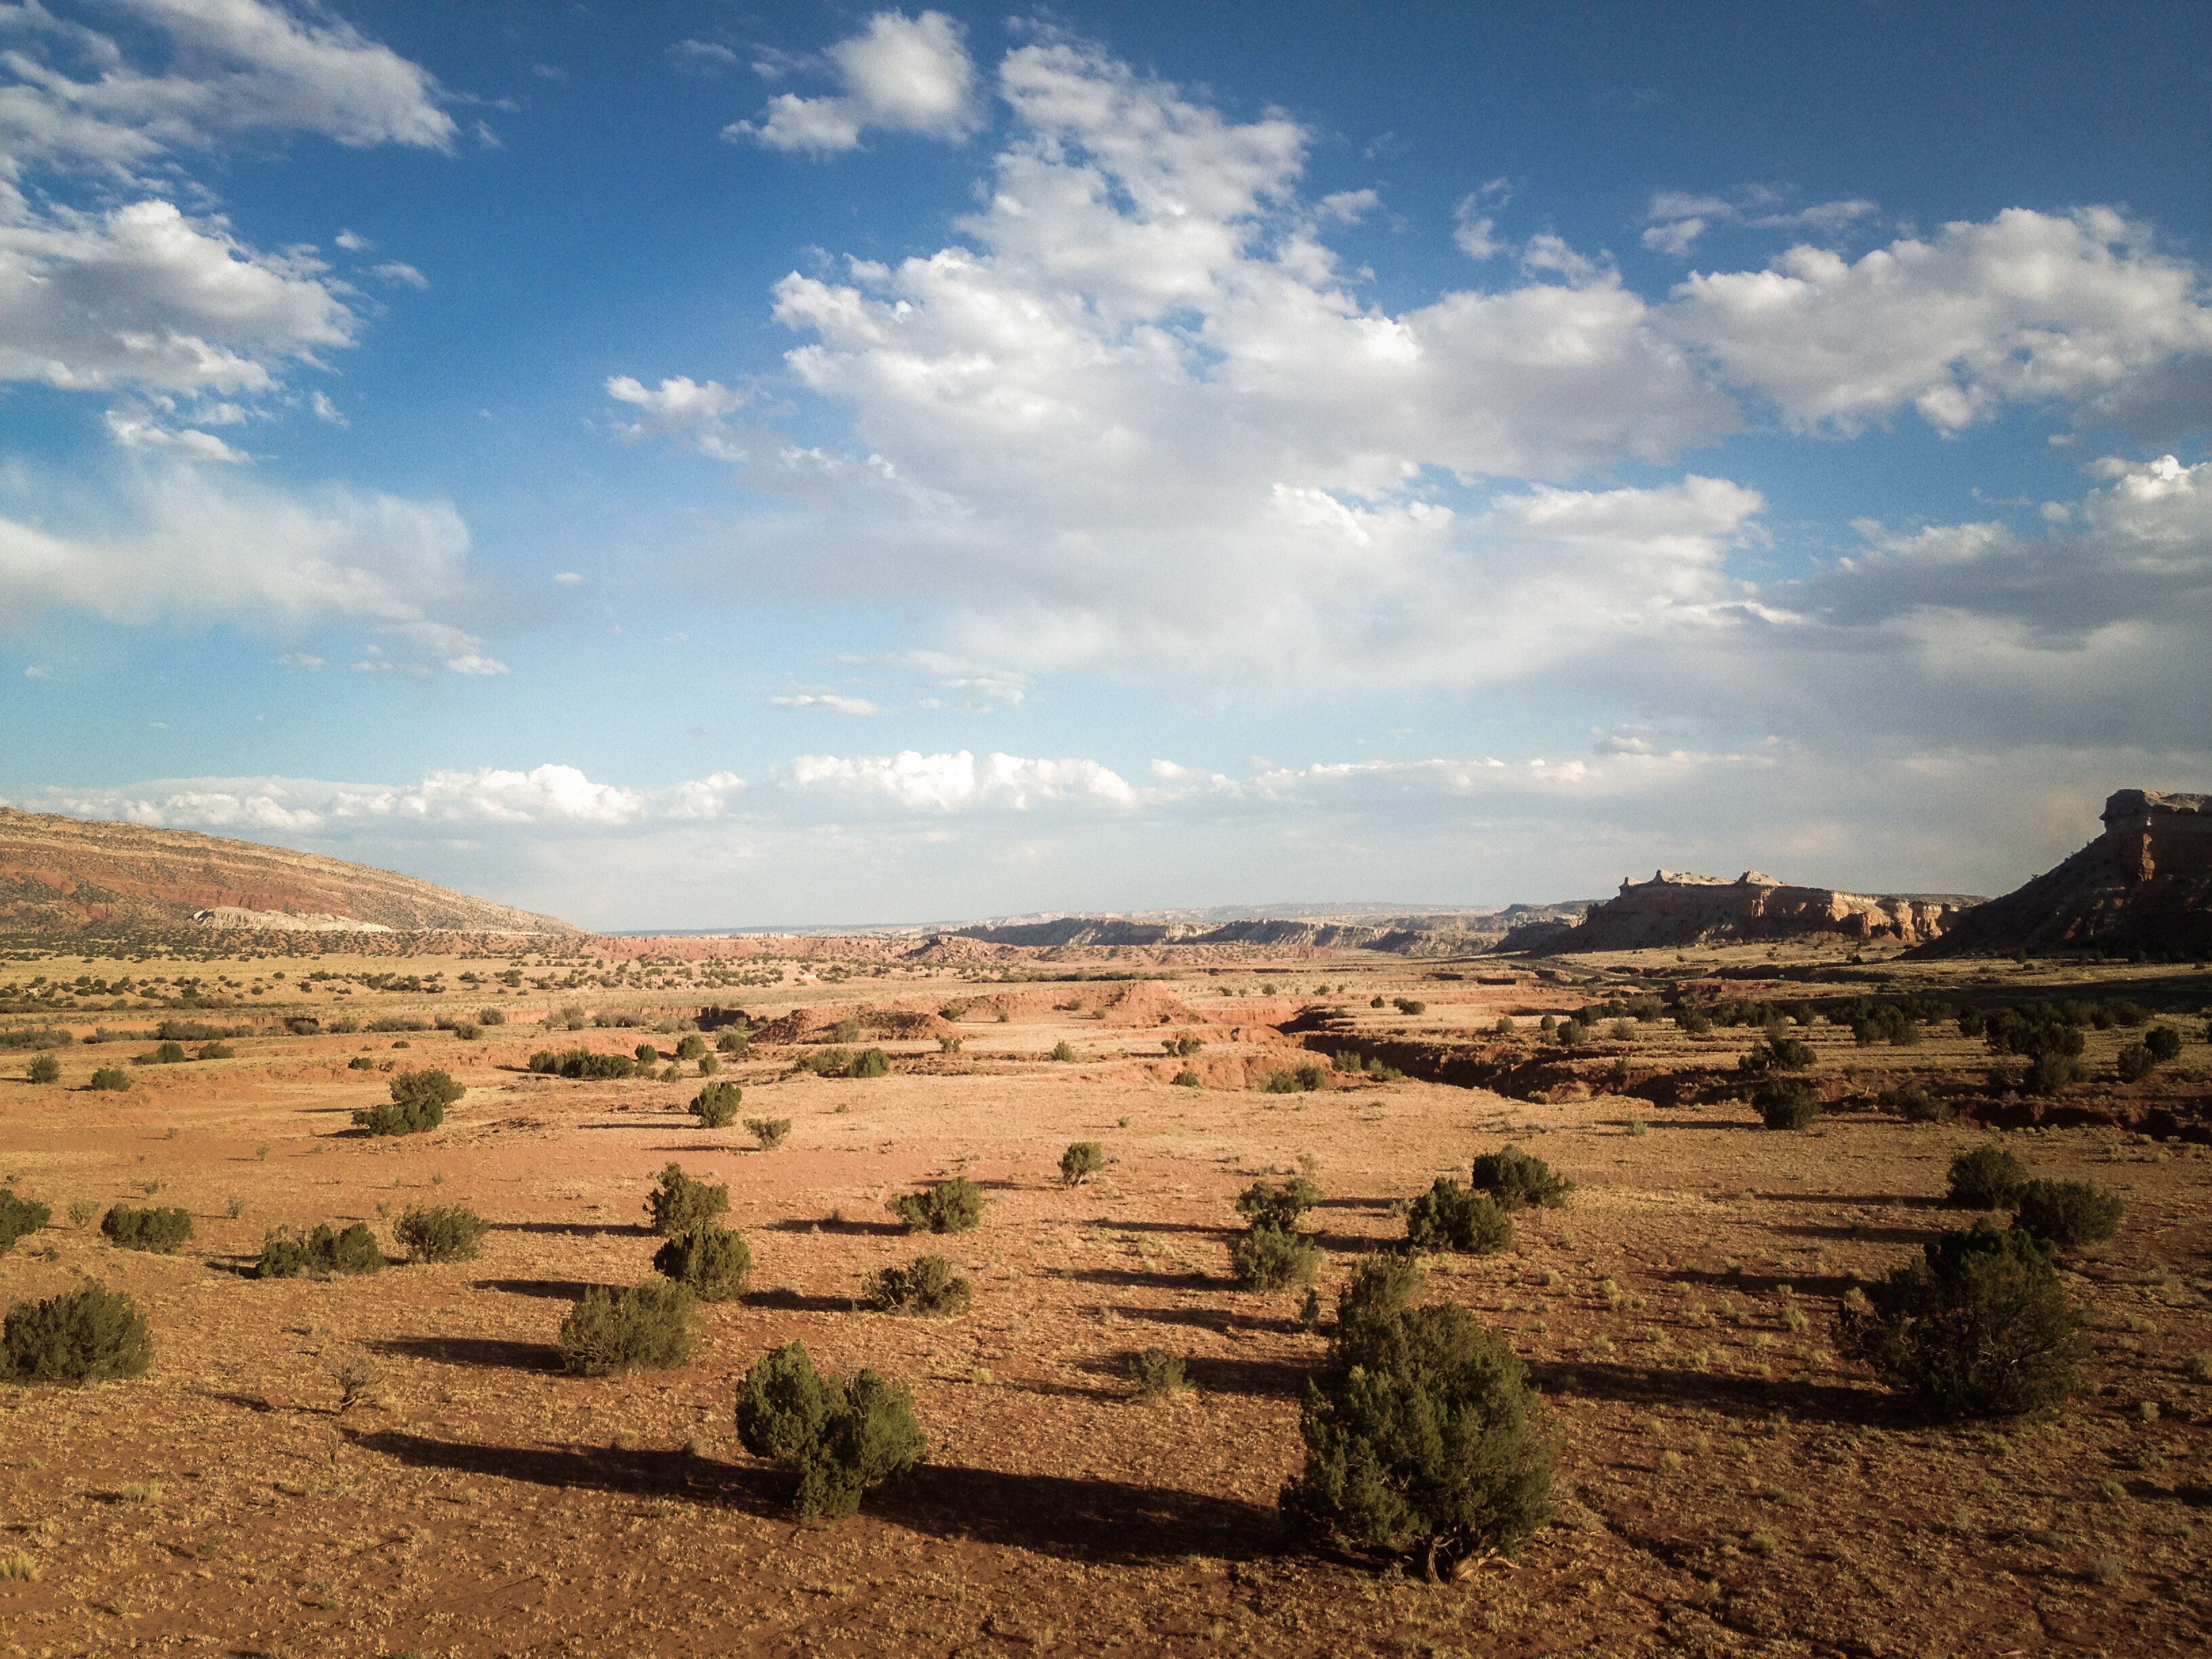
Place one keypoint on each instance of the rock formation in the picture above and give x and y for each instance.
(2144, 884)
(1678, 909)
(63, 875)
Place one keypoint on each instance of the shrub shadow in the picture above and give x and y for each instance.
(670, 1474)
(1165, 1227)
(850, 1229)
(1078, 1520)
(1861, 1232)
(1741, 1396)
(560, 1290)
(1867, 1200)
(575, 1229)
(486, 1353)
(796, 1302)
(1829, 1284)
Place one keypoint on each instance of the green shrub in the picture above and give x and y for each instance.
(162, 1231)
(716, 1105)
(582, 1065)
(36, 1036)
(1156, 1374)
(90, 1334)
(716, 1262)
(677, 1203)
(20, 1217)
(1062, 1050)
(838, 1438)
(1280, 1083)
(1694, 1022)
(1381, 1288)
(1987, 1178)
(2048, 1074)
(1916, 1105)
(1184, 1046)
(1407, 1005)
(441, 1233)
(770, 1132)
(2066, 1214)
(1188, 1080)
(168, 1053)
(691, 1046)
(1265, 1205)
(468, 1031)
(869, 1063)
(2164, 1044)
(1979, 1327)
(1778, 1054)
(1572, 1033)
(361, 1063)
(1449, 1217)
(44, 1069)
(217, 1051)
(1420, 1443)
(417, 1105)
(1270, 1258)
(2135, 1063)
(733, 1042)
(949, 1206)
(1787, 1103)
(651, 1326)
(322, 1253)
(1518, 1181)
(491, 1016)
(110, 1078)
(1081, 1161)
(929, 1288)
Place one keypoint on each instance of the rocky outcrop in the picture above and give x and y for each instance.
(1404, 936)
(2144, 884)
(1676, 909)
(64, 875)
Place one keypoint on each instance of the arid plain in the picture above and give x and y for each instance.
(1725, 1482)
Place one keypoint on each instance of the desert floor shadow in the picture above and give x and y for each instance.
(481, 1352)
(1077, 1519)
(670, 1474)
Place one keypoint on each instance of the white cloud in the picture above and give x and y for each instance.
(397, 272)
(2059, 308)
(351, 242)
(827, 702)
(1138, 421)
(1679, 218)
(327, 411)
(568, 578)
(143, 295)
(707, 58)
(134, 428)
(902, 75)
(171, 543)
(958, 782)
(230, 67)
(681, 410)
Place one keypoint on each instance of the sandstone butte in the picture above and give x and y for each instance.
(1677, 909)
(2143, 885)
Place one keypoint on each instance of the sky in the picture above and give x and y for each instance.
(692, 466)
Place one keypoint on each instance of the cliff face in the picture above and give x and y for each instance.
(62, 875)
(2144, 884)
(1678, 909)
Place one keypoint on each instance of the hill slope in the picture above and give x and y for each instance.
(2144, 884)
(61, 875)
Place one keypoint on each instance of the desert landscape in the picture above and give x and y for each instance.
(419, 1460)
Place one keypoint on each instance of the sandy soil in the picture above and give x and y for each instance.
(1725, 1483)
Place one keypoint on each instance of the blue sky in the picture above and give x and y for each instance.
(691, 465)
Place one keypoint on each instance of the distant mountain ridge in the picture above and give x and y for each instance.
(64, 875)
(1424, 933)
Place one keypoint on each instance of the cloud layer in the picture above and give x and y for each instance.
(1141, 421)
(900, 75)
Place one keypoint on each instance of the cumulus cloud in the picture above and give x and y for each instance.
(2061, 308)
(144, 295)
(681, 410)
(175, 543)
(232, 68)
(1139, 420)
(958, 782)
(901, 74)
